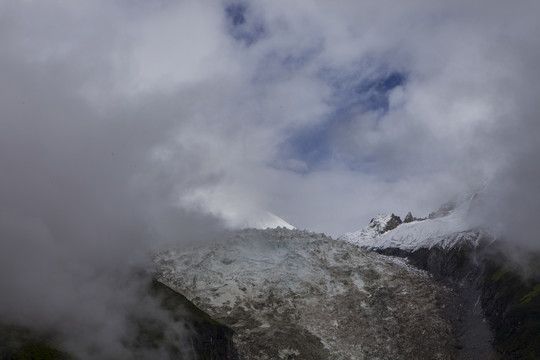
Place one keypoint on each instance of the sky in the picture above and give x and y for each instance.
(127, 125)
(324, 114)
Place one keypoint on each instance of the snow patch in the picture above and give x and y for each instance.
(446, 232)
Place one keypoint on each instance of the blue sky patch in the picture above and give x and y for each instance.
(236, 14)
(316, 145)
(312, 145)
(375, 92)
(243, 26)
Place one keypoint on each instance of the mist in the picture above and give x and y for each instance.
(127, 127)
(83, 205)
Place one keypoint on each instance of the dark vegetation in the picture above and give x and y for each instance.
(200, 337)
(18, 343)
(512, 304)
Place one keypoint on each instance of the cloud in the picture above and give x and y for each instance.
(82, 203)
(127, 125)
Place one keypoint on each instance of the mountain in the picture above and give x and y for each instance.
(440, 287)
(499, 294)
(433, 288)
(291, 294)
(446, 228)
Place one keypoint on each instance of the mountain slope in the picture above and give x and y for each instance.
(293, 295)
(500, 296)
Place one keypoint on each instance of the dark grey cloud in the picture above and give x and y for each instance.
(82, 204)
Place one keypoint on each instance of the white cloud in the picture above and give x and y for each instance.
(113, 111)
(180, 45)
(240, 102)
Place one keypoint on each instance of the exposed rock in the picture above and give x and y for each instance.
(408, 218)
(206, 338)
(299, 295)
(492, 290)
(393, 223)
(378, 224)
(457, 268)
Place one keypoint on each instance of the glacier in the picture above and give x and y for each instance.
(295, 294)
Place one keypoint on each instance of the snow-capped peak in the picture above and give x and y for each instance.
(377, 226)
(446, 231)
(267, 220)
(256, 219)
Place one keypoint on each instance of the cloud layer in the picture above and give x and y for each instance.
(126, 125)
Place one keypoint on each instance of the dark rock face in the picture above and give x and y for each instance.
(455, 267)
(408, 218)
(452, 264)
(208, 339)
(394, 222)
(488, 287)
